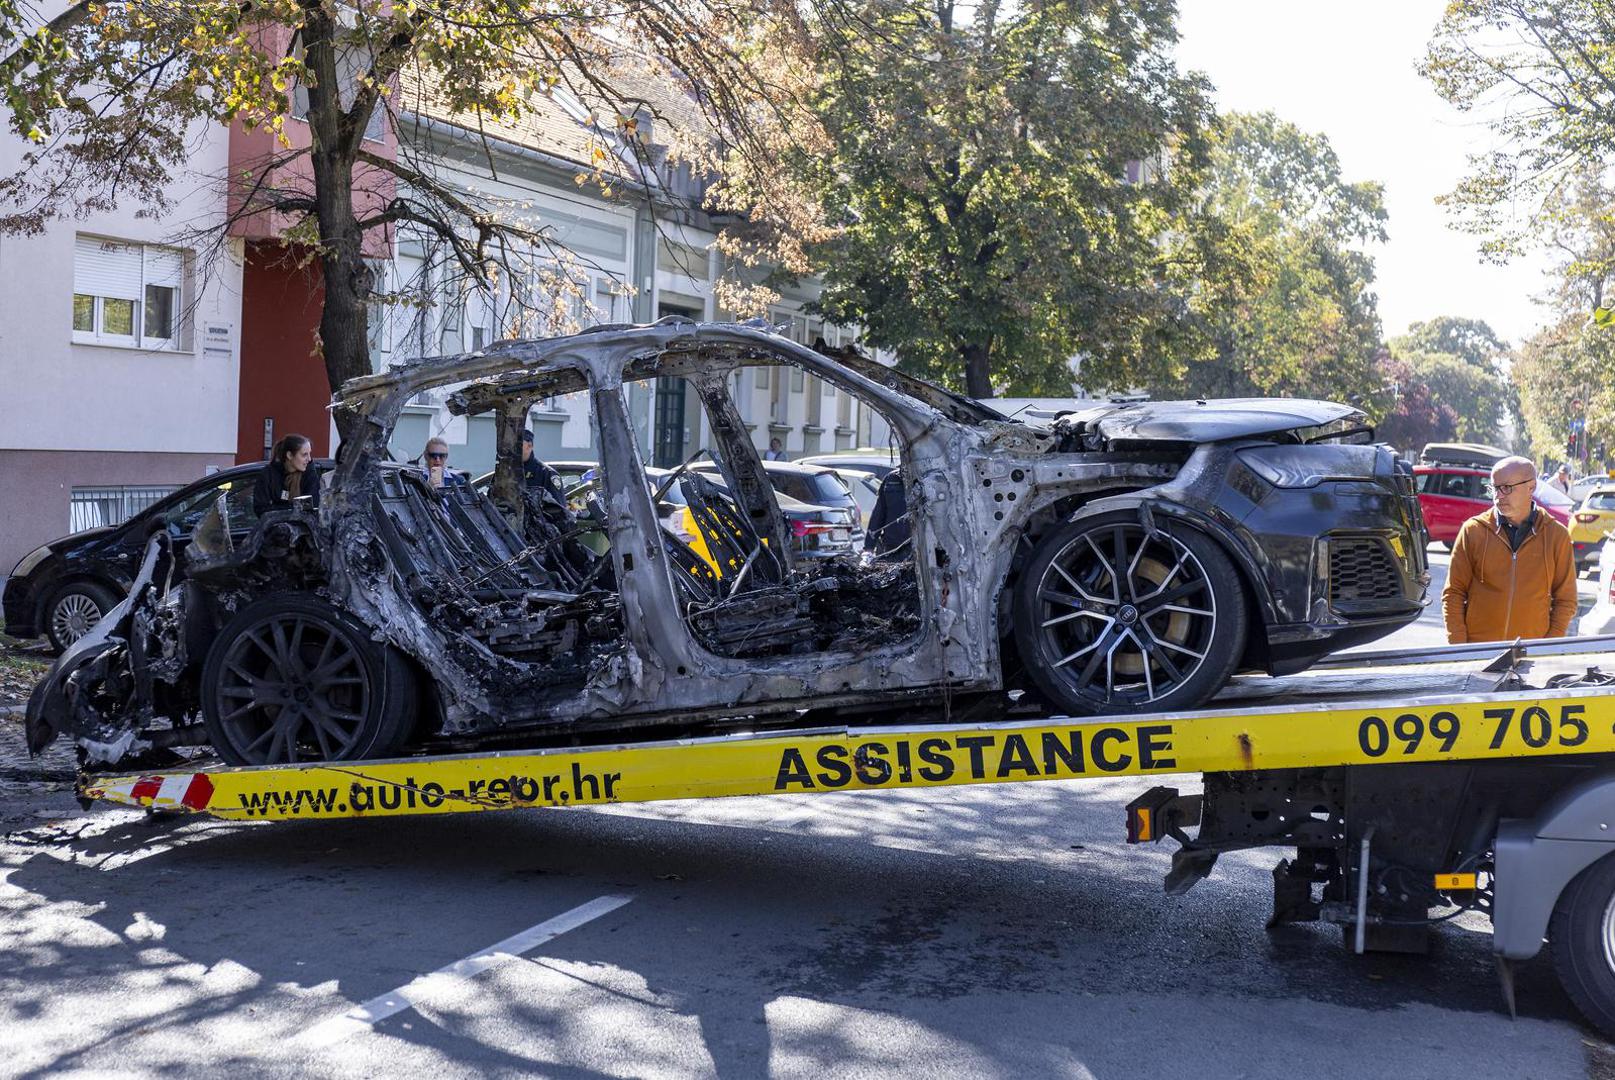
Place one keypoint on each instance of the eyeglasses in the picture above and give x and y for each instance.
(1504, 489)
(433, 455)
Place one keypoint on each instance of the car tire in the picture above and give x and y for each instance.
(74, 609)
(1167, 638)
(290, 678)
(1583, 935)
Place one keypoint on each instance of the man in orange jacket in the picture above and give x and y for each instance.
(1513, 573)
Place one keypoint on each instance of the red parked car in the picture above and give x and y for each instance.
(1450, 495)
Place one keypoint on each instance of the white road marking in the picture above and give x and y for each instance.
(363, 1017)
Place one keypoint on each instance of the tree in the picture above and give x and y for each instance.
(31, 57)
(1013, 187)
(1542, 75)
(1417, 417)
(142, 76)
(1577, 223)
(1559, 367)
(1475, 395)
(1301, 319)
(1470, 340)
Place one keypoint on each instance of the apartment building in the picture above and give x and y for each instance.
(119, 351)
(642, 254)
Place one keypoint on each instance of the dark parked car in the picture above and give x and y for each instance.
(1126, 558)
(810, 485)
(62, 589)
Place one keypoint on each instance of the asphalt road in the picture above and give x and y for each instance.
(1000, 931)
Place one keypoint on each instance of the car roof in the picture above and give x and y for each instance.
(876, 456)
(794, 468)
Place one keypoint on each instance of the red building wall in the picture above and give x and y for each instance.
(282, 379)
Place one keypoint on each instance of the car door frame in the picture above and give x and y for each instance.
(656, 628)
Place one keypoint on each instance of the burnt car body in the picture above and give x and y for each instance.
(1127, 557)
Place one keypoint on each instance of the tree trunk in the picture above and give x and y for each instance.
(978, 371)
(344, 323)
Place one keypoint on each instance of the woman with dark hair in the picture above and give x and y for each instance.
(289, 474)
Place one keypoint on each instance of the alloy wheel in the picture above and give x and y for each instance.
(293, 687)
(1125, 614)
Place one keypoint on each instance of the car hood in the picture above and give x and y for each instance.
(83, 537)
(1205, 421)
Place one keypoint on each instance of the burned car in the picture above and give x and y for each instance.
(1125, 558)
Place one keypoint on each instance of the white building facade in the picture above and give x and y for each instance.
(638, 256)
(118, 359)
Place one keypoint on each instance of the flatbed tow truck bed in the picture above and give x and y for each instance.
(1411, 786)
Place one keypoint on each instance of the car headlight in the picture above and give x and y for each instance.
(31, 560)
(1307, 466)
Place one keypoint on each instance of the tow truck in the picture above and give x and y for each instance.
(1409, 786)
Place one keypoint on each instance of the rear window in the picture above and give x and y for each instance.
(1548, 495)
(1455, 485)
(831, 489)
(1601, 500)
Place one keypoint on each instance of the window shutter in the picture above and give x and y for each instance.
(104, 268)
(165, 266)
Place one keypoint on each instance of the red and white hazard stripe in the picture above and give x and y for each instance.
(187, 791)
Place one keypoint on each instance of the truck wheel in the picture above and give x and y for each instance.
(73, 611)
(1583, 937)
(1111, 619)
(292, 679)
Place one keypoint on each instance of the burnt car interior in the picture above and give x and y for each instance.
(517, 579)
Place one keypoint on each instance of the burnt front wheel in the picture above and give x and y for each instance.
(292, 679)
(1112, 618)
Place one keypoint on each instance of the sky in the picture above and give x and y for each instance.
(1346, 70)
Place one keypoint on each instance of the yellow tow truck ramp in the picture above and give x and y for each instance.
(1320, 720)
(1407, 783)
(1454, 728)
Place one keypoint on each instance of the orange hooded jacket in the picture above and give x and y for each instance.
(1496, 594)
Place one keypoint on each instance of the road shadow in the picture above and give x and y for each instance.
(893, 905)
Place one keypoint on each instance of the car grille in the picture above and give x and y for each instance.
(1362, 569)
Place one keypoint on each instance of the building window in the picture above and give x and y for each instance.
(692, 262)
(451, 337)
(128, 294)
(353, 62)
(160, 310)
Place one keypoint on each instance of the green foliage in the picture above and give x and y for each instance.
(1470, 340)
(980, 175)
(1417, 417)
(1476, 395)
(1299, 317)
(1542, 75)
(31, 58)
(1559, 366)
